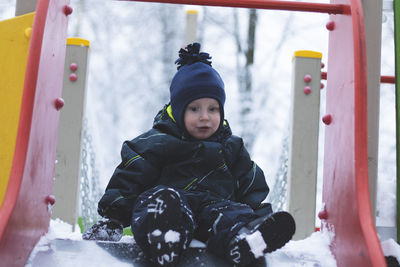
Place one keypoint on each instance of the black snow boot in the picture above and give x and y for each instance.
(166, 235)
(260, 236)
(105, 230)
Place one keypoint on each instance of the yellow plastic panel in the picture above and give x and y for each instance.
(307, 53)
(15, 35)
(191, 11)
(78, 41)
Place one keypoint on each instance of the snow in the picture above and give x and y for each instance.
(172, 236)
(156, 233)
(391, 248)
(197, 244)
(60, 229)
(57, 229)
(312, 251)
(256, 243)
(308, 252)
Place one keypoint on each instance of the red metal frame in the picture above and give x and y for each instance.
(345, 186)
(345, 191)
(388, 79)
(24, 215)
(262, 4)
(384, 78)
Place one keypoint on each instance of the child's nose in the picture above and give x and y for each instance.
(203, 115)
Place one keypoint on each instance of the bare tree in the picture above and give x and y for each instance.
(244, 64)
(170, 44)
(7, 9)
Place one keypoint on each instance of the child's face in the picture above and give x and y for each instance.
(202, 117)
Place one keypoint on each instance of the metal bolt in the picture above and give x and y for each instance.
(67, 10)
(73, 77)
(28, 32)
(323, 214)
(307, 78)
(307, 90)
(327, 119)
(50, 199)
(73, 66)
(59, 103)
(322, 86)
(330, 26)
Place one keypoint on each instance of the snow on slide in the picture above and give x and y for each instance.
(63, 247)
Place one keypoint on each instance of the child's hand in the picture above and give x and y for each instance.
(104, 230)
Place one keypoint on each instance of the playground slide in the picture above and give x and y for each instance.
(30, 155)
(33, 84)
(345, 187)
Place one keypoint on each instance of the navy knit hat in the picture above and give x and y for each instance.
(194, 79)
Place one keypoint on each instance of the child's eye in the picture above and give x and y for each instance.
(214, 109)
(193, 109)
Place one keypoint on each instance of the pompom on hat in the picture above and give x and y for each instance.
(194, 79)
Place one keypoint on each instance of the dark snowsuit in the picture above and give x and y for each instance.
(220, 187)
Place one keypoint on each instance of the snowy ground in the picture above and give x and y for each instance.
(310, 252)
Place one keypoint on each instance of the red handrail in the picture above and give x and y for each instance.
(263, 4)
(384, 78)
(388, 79)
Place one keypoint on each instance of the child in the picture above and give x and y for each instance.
(190, 177)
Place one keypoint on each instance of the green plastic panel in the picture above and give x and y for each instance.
(396, 9)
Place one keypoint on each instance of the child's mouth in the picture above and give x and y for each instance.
(204, 128)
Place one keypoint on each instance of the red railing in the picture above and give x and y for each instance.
(384, 78)
(263, 4)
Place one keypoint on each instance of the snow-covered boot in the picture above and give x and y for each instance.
(105, 230)
(260, 236)
(166, 234)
